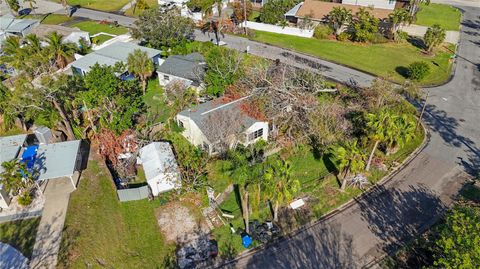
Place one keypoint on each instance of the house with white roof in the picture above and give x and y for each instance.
(220, 121)
(10, 25)
(70, 35)
(160, 166)
(112, 54)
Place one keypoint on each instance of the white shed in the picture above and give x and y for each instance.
(161, 169)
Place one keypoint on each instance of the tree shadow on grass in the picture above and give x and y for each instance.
(402, 70)
(416, 41)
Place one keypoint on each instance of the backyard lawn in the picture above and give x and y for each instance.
(94, 27)
(102, 232)
(105, 5)
(387, 60)
(20, 234)
(447, 16)
(50, 18)
(158, 110)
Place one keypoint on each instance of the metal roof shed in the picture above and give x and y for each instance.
(161, 169)
(57, 160)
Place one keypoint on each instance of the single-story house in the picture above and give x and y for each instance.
(207, 124)
(187, 69)
(112, 54)
(160, 166)
(70, 35)
(10, 25)
(317, 11)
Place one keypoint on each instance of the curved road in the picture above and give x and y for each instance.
(415, 197)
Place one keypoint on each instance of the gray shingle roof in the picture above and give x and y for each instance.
(12, 25)
(111, 54)
(191, 66)
(200, 113)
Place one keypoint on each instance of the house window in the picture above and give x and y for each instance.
(254, 135)
(165, 77)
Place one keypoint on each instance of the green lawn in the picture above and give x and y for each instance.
(102, 232)
(99, 39)
(447, 16)
(94, 27)
(105, 5)
(386, 60)
(20, 234)
(50, 18)
(157, 108)
(150, 3)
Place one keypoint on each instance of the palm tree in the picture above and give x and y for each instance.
(339, 17)
(397, 18)
(414, 6)
(243, 177)
(280, 184)
(141, 66)
(348, 158)
(16, 177)
(434, 36)
(380, 129)
(14, 55)
(404, 129)
(61, 52)
(214, 27)
(13, 5)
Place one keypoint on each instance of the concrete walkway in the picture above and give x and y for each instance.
(451, 37)
(49, 234)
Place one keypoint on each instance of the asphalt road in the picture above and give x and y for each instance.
(415, 197)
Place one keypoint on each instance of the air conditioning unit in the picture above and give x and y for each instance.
(44, 134)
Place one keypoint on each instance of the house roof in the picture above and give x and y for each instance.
(10, 147)
(10, 24)
(57, 160)
(43, 30)
(157, 160)
(318, 10)
(111, 54)
(221, 110)
(191, 66)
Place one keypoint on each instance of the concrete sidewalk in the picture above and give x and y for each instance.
(49, 234)
(451, 37)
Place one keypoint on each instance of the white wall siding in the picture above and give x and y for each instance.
(255, 127)
(192, 133)
(278, 29)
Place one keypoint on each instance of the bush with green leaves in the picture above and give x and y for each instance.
(25, 198)
(378, 38)
(322, 31)
(273, 11)
(364, 26)
(418, 70)
(343, 36)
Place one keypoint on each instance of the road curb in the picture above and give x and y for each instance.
(386, 179)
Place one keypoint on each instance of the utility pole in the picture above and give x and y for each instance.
(423, 110)
(245, 16)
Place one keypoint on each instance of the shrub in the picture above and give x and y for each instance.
(378, 38)
(322, 31)
(25, 198)
(401, 35)
(343, 36)
(418, 70)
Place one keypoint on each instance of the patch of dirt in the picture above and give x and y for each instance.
(178, 224)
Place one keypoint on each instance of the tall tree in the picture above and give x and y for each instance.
(365, 25)
(379, 129)
(61, 52)
(339, 18)
(348, 158)
(163, 28)
(281, 185)
(434, 36)
(16, 177)
(273, 11)
(141, 66)
(398, 18)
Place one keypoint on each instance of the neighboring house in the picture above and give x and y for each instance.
(70, 35)
(112, 54)
(187, 69)
(212, 124)
(383, 4)
(14, 26)
(317, 11)
(51, 161)
(196, 16)
(160, 166)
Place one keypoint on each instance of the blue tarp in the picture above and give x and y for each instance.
(246, 241)
(29, 155)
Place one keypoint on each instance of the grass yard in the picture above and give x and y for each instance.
(105, 5)
(99, 39)
(94, 27)
(150, 3)
(447, 16)
(20, 234)
(158, 110)
(386, 60)
(50, 18)
(102, 232)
